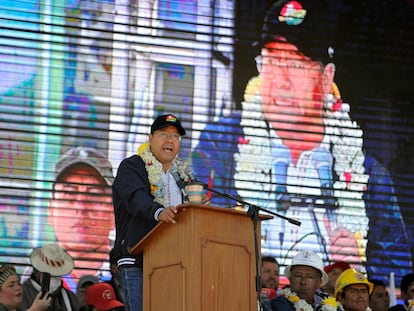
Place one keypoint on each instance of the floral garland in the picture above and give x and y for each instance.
(410, 304)
(300, 304)
(154, 169)
(328, 304)
(331, 304)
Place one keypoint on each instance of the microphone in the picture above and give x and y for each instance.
(189, 172)
(181, 184)
(269, 293)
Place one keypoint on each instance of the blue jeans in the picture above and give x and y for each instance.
(131, 283)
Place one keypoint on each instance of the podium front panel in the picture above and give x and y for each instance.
(206, 261)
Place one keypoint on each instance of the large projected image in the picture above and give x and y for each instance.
(80, 210)
(302, 149)
(19, 56)
(265, 89)
(302, 155)
(298, 143)
(57, 94)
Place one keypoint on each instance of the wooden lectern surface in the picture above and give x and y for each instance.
(206, 261)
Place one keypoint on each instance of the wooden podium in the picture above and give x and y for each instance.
(206, 261)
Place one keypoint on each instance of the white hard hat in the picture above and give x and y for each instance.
(308, 258)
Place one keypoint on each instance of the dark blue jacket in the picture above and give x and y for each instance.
(134, 207)
(281, 303)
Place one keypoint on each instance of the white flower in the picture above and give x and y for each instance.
(300, 304)
(328, 304)
(154, 169)
(331, 304)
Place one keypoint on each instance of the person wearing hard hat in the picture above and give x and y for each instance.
(306, 276)
(352, 290)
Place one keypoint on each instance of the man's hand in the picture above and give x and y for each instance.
(168, 214)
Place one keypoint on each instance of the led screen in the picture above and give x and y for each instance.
(297, 110)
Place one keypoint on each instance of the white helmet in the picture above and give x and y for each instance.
(308, 258)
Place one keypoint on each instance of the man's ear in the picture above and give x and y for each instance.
(328, 78)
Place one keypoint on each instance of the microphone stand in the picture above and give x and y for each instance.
(252, 207)
(253, 212)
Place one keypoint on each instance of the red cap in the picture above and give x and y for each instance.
(283, 282)
(102, 296)
(337, 265)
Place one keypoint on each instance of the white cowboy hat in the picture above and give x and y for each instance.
(51, 258)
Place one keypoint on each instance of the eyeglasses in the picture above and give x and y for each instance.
(165, 136)
(294, 64)
(84, 193)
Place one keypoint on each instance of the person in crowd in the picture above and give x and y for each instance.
(84, 282)
(80, 210)
(269, 272)
(145, 192)
(53, 259)
(11, 293)
(407, 293)
(269, 279)
(352, 290)
(306, 276)
(115, 281)
(334, 271)
(379, 300)
(101, 297)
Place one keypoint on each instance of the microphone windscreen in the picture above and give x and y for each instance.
(269, 292)
(189, 172)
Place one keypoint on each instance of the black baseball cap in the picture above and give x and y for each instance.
(167, 120)
(308, 24)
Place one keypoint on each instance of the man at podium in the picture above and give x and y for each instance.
(148, 187)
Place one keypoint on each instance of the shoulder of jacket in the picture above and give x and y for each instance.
(132, 159)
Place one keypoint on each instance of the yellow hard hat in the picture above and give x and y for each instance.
(349, 277)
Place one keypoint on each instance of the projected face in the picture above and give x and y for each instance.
(292, 88)
(81, 214)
